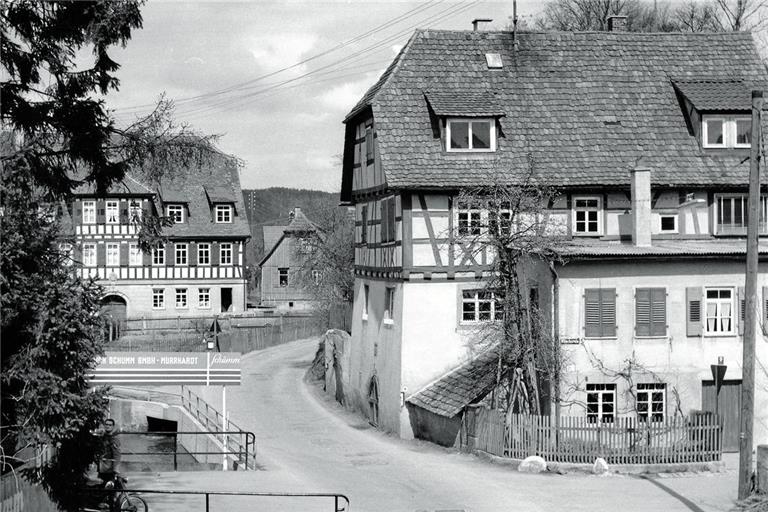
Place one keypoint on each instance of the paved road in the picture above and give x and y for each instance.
(307, 443)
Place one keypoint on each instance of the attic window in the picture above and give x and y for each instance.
(175, 212)
(726, 131)
(493, 60)
(223, 214)
(465, 135)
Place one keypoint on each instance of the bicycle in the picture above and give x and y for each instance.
(120, 501)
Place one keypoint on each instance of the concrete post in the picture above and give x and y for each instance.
(762, 468)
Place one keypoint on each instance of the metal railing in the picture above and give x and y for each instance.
(243, 452)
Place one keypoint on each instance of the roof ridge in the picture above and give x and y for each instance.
(130, 177)
(625, 33)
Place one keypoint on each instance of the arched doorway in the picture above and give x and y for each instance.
(373, 401)
(113, 311)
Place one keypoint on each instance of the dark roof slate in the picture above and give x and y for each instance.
(586, 248)
(581, 106)
(464, 103)
(300, 223)
(708, 95)
(460, 387)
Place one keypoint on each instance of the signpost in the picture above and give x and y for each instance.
(167, 368)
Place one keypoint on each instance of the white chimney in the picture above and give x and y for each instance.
(641, 206)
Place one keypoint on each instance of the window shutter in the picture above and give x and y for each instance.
(170, 254)
(101, 218)
(124, 213)
(608, 311)
(146, 258)
(392, 221)
(658, 311)
(192, 254)
(693, 310)
(741, 306)
(592, 313)
(101, 255)
(215, 248)
(385, 220)
(643, 312)
(764, 321)
(78, 217)
(124, 250)
(77, 254)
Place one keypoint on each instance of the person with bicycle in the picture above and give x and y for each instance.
(109, 460)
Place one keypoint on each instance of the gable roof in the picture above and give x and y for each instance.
(299, 224)
(462, 386)
(581, 106)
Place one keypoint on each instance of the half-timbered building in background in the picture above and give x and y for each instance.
(197, 270)
(645, 136)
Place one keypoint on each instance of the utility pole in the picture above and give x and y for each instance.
(750, 315)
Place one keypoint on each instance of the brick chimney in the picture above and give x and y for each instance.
(617, 23)
(641, 206)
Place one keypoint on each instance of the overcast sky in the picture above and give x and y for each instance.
(212, 58)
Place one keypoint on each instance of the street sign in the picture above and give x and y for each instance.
(167, 368)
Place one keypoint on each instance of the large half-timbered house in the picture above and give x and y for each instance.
(645, 136)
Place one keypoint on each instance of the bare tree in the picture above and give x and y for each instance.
(578, 15)
(735, 15)
(693, 16)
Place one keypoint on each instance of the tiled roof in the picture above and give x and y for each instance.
(717, 94)
(584, 107)
(587, 248)
(300, 223)
(464, 103)
(271, 235)
(220, 193)
(188, 185)
(462, 386)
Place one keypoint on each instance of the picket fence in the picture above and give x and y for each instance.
(625, 440)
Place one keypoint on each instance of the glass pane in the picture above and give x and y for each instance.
(481, 135)
(459, 135)
(743, 131)
(668, 223)
(715, 132)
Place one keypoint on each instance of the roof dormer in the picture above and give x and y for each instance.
(468, 121)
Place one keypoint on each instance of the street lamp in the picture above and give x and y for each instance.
(718, 373)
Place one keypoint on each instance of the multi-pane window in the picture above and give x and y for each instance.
(469, 220)
(134, 255)
(158, 256)
(719, 311)
(282, 276)
(600, 312)
(668, 223)
(586, 215)
(113, 255)
(203, 254)
(601, 403)
(471, 135)
(112, 212)
(89, 255)
(134, 211)
(732, 214)
(181, 254)
(389, 303)
(204, 297)
(181, 298)
(223, 213)
(89, 212)
(158, 298)
(480, 306)
(651, 312)
(225, 254)
(651, 401)
(175, 212)
(726, 132)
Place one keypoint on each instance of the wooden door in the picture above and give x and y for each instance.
(729, 409)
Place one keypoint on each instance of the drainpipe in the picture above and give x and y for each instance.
(555, 330)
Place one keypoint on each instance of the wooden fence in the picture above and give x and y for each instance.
(626, 440)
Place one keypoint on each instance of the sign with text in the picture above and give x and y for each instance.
(168, 368)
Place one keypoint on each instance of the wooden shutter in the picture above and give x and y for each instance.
(608, 311)
(77, 218)
(170, 254)
(643, 312)
(101, 217)
(215, 248)
(658, 312)
(124, 250)
(101, 255)
(124, 213)
(192, 254)
(364, 227)
(592, 328)
(693, 310)
(392, 222)
(146, 258)
(384, 221)
(741, 307)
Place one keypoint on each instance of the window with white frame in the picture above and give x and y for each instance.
(112, 212)
(480, 306)
(181, 254)
(726, 131)
(732, 213)
(282, 277)
(204, 297)
(651, 401)
(134, 255)
(719, 306)
(471, 135)
(601, 403)
(203, 254)
(668, 223)
(134, 210)
(223, 213)
(181, 298)
(469, 219)
(389, 304)
(158, 298)
(175, 212)
(225, 254)
(158, 256)
(89, 255)
(89, 212)
(67, 254)
(113, 255)
(587, 215)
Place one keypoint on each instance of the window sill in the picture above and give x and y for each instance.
(364, 317)
(602, 338)
(388, 322)
(593, 235)
(652, 338)
(721, 335)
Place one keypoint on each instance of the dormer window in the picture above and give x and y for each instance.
(721, 131)
(175, 212)
(223, 213)
(471, 135)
